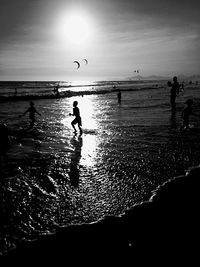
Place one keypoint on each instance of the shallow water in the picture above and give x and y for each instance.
(53, 178)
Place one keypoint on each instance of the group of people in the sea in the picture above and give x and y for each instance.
(187, 111)
(175, 90)
(176, 87)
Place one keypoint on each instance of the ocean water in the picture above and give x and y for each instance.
(53, 178)
(45, 88)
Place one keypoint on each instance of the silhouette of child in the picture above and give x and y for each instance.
(187, 111)
(76, 113)
(32, 111)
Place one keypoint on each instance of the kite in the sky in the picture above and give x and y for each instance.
(78, 64)
(86, 61)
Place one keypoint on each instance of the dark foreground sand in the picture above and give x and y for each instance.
(164, 230)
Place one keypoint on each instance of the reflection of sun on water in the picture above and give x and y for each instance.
(87, 113)
(82, 83)
(88, 150)
(89, 125)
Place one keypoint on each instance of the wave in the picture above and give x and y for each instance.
(69, 93)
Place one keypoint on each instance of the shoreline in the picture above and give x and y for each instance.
(165, 226)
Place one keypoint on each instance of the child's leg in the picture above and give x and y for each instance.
(186, 123)
(80, 129)
(73, 127)
(79, 126)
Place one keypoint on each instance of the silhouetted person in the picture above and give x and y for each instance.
(32, 111)
(15, 91)
(187, 111)
(4, 140)
(77, 120)
(56, 90)
(119, 97)
(174, 92)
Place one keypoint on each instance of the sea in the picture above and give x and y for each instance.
(51, 178)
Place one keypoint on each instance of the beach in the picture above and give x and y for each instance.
(164, 230)
(96, 188)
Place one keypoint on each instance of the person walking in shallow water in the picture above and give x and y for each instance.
(77, 120)
(174, 92)
(32, 111)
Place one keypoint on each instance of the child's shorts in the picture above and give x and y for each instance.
(77, 120)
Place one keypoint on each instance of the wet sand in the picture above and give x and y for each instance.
(164, 230)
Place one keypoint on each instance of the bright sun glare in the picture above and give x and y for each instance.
(76, 27)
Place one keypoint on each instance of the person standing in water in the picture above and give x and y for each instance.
(32, 111)
(15, 94)
(77, 120)
(174, 92)
(119, 96)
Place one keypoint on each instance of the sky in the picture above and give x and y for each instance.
(41, 39)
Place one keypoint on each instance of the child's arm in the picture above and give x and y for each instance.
(72, 114)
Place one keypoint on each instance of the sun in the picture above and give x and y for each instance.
(77, 28)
